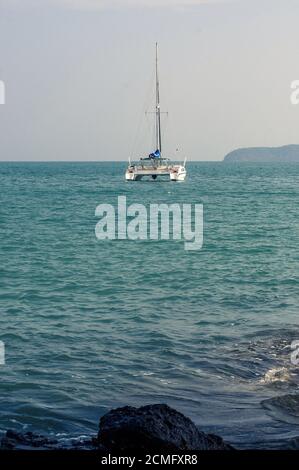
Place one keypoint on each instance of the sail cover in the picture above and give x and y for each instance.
(155, 154)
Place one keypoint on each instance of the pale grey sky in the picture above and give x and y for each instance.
(77, 74)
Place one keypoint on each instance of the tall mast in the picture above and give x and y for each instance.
(158, 113)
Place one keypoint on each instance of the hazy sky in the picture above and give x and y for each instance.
(79, 76)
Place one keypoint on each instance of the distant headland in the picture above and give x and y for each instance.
(287, 153)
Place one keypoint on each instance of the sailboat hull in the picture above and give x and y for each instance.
(172, 172)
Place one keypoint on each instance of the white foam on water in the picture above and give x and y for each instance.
(277, 374)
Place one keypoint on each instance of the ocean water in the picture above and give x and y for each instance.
(90, 325)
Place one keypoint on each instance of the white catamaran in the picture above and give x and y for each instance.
(155, 164)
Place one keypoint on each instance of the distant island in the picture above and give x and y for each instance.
(287, 153)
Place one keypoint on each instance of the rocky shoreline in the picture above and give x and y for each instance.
(149, 428)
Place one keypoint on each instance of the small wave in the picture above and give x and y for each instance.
(283, 408)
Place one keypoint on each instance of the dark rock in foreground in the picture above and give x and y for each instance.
(287, 153)
(153, 428)
(146, 429)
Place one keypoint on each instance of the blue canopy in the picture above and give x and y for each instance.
(155, 154)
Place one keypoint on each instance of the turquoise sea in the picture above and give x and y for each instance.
(89, 325)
